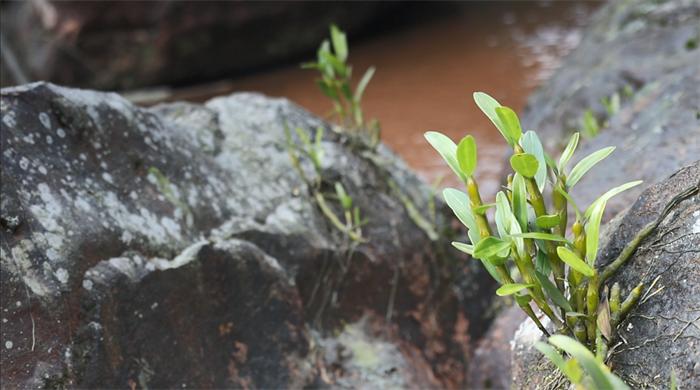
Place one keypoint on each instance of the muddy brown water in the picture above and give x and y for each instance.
(426, 75)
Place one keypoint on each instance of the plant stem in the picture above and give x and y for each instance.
(629, 303)
(631, 246)
(321, 201)
(592, 306)
(475, 200)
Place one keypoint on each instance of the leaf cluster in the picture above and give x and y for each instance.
(335, 82)
(553, 252)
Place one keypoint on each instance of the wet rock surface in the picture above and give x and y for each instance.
(647, 54)
(662, 334)
(177, 246)
(114, 45)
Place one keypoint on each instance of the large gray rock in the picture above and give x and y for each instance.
(647, 52)
(662, 334)
(177, 247)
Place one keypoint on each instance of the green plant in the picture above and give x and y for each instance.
(556, 267)
(590, 124)
(555, 263)
(351, 222)
(335, 82)
(582, 369)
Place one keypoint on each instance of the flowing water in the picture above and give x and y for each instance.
(426, 75)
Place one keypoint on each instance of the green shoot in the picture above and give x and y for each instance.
(335, 82)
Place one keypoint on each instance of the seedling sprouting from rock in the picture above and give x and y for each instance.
(312, 149)
(335, 82)
(555, 263)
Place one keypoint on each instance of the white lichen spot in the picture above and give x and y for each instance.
(629, 327)
(29, 138)
(18, 303)
(24, 163)
(82, 204)
(62, 275)
(87, 284)
(696, 225)
(45, 120)
(9, 119)
(49, 140)
(172, 227)
(42, 170)
(154, 305)
(103, 165)
(50, 212)
(108, 178)
(61, 133)
(4, 320)
(8, 344)
(126, 237)
(83, 156)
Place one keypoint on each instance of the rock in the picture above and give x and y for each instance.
(661, 334)
(647, 54)
(490, 366)
(177, 246)
(113, 45)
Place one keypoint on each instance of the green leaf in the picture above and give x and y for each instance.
(591, 126)
(469, 249)
(542, 263)
(326, 89)
(338, 66)
(571, 201)
(532, 145)
(502, 214)
(447, 149)
(325, 47)
(574, 261)
(600, 374)
(488, 106)
(556, 358)
(511, 123)
(345, 200)
(547, 221)
(520, 201)
(360, 90)
(506, 222)
(482, 209)
(542, 236)
(673, 382)
(608, 195)
(586, 164)
(524, 164)
(340, 43)
(510, 289)
(466, 248)
(466, 155)
(568, 152)
(492, 249)
(553, 292)
(458, 201)
(592, 230)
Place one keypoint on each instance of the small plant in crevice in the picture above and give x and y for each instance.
(335, 82)
(553, 253)
(592, 124)
(350, 224)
